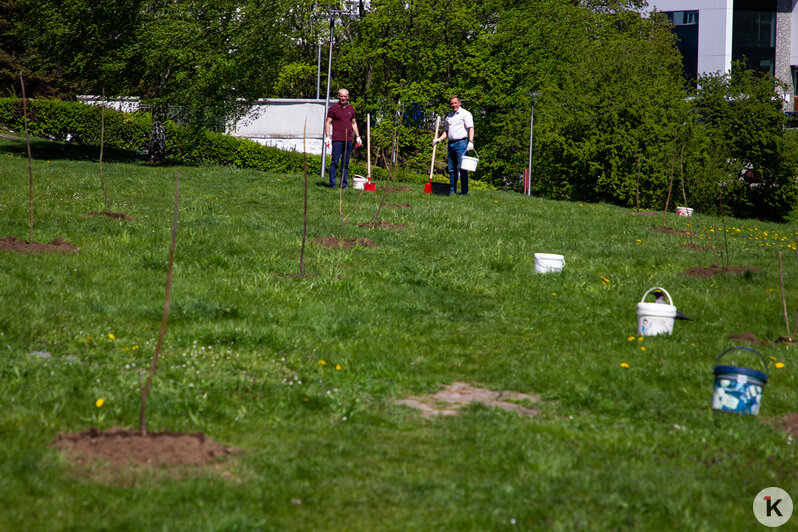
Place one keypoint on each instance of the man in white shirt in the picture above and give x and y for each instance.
(459, 129)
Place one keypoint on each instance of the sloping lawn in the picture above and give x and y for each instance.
(302, 374)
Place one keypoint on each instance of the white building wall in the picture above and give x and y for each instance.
(714, 30)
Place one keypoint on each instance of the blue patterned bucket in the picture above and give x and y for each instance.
(739, 389)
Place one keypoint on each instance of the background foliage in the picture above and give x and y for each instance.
(617, 128)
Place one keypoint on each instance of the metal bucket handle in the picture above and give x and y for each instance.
(670, 301)
(765, 362)
(472, 149)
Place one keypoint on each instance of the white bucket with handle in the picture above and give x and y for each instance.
(655, 318)
(469, 164)
(359, 182)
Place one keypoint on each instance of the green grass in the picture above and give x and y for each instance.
(452, 297)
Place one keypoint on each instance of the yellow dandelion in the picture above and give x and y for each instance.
(631, 338)
(322, 363)
(779, 365)
(495, 201)
(99, 402)
(640, 339)
(642, 348)
(773, 358)
(605, 280)
(624, 365)
(554, 293)
(112, 336)
(639, 241)
(338, 367)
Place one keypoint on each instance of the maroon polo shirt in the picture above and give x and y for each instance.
(342, 116)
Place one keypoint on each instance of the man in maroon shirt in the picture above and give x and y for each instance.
(340, 129)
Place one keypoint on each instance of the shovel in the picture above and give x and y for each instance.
(428, 186)
(369, 186)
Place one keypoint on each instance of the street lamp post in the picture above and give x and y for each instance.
(327, 100)
(528, 184)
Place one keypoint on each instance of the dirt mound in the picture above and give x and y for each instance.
(751, 337)
(710, 271)
(400, 206)
(645, 213)
(694, 247)
(788, 422)
(382, 224)
(335, 242)
(16, 245)
(670, 230)
(122, 215)
(449, 400)
(125, 448)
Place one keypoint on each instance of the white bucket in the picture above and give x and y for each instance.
(469, 164)
(684, 211)
(655, 318)
(548, 263)
(359, 182)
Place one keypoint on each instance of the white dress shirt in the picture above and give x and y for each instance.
(457, 124)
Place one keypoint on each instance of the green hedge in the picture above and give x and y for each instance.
(81, 123)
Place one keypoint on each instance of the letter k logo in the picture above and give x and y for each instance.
(772, 507)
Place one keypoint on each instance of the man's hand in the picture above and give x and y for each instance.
(359, 142)
(470, 146)
(435, 141)
(328, 142)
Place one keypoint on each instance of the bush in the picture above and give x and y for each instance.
(81, 123)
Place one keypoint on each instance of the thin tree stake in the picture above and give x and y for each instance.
(637, 189)
(30, 159)
(684, 195)
(783, 298)
(725, 237)
(670, 184)
(145, 392)
(102, 144)
(305, 225)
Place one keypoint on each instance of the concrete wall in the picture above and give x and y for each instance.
(278, 122)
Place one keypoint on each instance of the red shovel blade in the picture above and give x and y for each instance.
(370, 187)
(427, 188)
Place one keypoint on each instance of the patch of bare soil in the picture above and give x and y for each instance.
(397, 189)
(710, 271)
(122, 215)
(751, 337)
(645, 213)
(400, 206)
(123, 448)
(299, 275)
(670, 230)
(16, 245)
(335, 242)
(788, 422)
(382, 224)
(449, 400)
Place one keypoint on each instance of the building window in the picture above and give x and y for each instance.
(685, 26)
(754, 36)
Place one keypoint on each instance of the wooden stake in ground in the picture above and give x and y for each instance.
(637, 189)
(783, 299)
(30, 158)
(670, 184)
(684, 194)
(145, 391)
(102, 144)
(305, 226)
(725, 237)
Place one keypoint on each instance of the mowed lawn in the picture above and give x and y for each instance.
(302, 374)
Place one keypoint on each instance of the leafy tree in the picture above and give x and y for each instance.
(740, 148)
(201, 60)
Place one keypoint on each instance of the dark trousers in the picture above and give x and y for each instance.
(335, 159)
(455, 156)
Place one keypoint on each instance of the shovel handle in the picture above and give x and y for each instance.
(434, 146)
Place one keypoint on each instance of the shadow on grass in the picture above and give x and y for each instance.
(50, 150)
